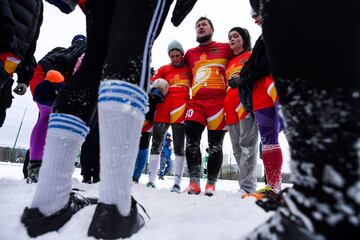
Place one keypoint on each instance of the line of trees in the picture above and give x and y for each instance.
(9, 154)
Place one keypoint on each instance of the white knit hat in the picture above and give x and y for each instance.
(175, 45)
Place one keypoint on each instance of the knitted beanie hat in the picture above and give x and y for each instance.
(175, 45)
(54, 76)
(78, 37)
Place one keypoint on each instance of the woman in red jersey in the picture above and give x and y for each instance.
(243, 130)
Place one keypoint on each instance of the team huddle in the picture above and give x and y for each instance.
(219, 86)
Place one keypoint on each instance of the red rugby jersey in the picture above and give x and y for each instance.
(178, 78)
(208, 65)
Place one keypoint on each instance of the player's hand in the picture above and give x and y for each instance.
(157, 95)
(235, 82)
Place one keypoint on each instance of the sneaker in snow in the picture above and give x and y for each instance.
(108, 223)
(150, 185)
(209, 189)
(86, 179)
(135, 180)
(193, 188)
(242, 193)
(176, 188)
(37, 223)
(261, 193)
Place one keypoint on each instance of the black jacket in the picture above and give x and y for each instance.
(49, 60)
(63, 59)
(254, 69)
(20, 23)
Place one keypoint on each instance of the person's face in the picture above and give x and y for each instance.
(258, 19)
(236, 42)
(175, 57)
(204, 31)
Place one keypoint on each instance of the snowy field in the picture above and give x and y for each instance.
(173, 216)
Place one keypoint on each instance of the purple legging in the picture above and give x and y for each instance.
(268, 121)
(38, 134)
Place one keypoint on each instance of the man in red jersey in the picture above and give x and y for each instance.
(207, 62)
(171, 112)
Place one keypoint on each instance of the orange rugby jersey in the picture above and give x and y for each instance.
(208, 65)
(178, 78)
(264, 93)
(233, 69)
(235, 65)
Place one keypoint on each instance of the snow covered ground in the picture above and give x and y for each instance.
(173, 216)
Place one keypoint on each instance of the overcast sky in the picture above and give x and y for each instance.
(58, 30)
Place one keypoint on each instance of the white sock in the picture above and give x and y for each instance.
(153, 167)
(121, 108)
(179, 168)
(65, 135)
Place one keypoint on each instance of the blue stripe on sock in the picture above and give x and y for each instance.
(67, 128)
(124, 92)
(123, 84)
(67, 116)
(141, 108)
(68, 122)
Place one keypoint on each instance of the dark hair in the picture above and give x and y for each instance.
(245, 36)
(205, 18)
(255, 5)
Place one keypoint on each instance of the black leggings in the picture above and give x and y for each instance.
(159, 130)
(120, 35)
(320, 100)
(193, 131)
(144, 140)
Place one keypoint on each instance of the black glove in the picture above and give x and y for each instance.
(182, 8)
(156, 95)
(20, 89)
(235, 82)
(66, 6)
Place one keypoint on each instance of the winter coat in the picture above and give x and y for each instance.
(49, 60)
(63, 59)
(69, 58)
(254, 69)
(166, 150)
(20, 23)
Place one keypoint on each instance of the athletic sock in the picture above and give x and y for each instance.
(179, 168)
(272, 158)
(65, 135)
(121, 108)
(153, 167)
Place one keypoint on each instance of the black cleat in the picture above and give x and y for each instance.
(37, 224)
(108, 223)
(281, 227)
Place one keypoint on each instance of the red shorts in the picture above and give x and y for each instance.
(172, 110)
(207, 111)
(147, 127)
(233, 109)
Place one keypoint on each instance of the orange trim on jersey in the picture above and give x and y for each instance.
(214, 121)
(177, 113)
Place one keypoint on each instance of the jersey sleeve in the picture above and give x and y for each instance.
(158, 74)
